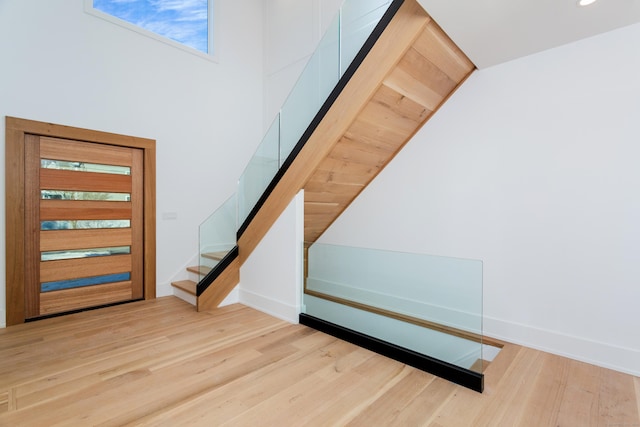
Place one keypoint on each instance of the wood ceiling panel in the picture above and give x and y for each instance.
(366, 131)
(325, 197)
(401, 105)
(349, 153)
(434, 45)
(426, 72)
(319, 220)
(313, 208)
(341, 178)
(346, 167)
(405, 84)
(333, 188)
(367, 146)
(381, 116)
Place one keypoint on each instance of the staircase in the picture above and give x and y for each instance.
(188, 289)
(405, 71)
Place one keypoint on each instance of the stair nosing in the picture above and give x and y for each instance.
(186, 286)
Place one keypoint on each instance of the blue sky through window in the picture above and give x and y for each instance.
(185, 21)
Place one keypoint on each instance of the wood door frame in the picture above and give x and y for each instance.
(15, 132)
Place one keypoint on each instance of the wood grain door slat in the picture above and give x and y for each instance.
(77, 151)
(54, 179)
(59, 240)
(58, 210)
(77, 298)
(53, 271)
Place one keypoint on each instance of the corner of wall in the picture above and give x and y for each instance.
(270, 306)
(3, 318)
(271, 278)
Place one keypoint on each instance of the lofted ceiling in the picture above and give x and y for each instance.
(494, 31)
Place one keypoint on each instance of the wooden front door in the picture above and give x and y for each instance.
(46, 249)
(83, 225)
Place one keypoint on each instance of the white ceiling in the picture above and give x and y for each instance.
(494, 31)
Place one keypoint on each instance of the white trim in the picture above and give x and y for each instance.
(3, 318)
(270, 306)
(602, 354)
(212, 30)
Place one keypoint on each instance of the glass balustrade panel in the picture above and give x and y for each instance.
(260, 171)
(359, 18)
(319, 77)
(217, 235)
(429, 304)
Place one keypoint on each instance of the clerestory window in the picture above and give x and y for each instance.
(184, 23)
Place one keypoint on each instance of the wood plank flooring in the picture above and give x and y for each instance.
(161, 363)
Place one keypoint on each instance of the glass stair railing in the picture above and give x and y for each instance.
(428, 308)
(217, 239)
(259, 173)
(335, 59)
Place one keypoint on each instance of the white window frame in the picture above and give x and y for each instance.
(212, 10)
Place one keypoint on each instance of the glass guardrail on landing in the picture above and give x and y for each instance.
(428, 304)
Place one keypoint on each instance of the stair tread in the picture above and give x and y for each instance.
(188, 286)
(199, 269)
(215, 255)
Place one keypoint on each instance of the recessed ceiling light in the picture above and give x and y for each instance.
(585, 2)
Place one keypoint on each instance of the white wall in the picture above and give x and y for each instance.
(271, 278)
(532, 167)
(293, 29)
(64, 66)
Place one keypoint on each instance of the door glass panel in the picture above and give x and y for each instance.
(84, 253)
(85, 224)
(84, 195)
(85, 281)
(84, 167)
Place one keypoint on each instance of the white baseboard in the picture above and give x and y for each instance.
(602, 354)
(3, 318)
(279, 309)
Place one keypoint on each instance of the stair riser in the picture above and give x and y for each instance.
(191, 299)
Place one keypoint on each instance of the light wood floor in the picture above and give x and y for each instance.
(161, 363)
